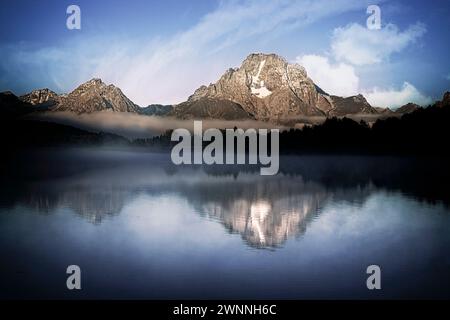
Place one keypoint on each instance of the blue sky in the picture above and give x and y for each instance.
(161, 51)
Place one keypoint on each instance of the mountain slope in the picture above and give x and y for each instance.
(156, 110)
(210, 108)
(44, 98)
(12, 107)
(350, 105)
(269, 88)
(95, 95)
(407, 108)
(266, 86)
(445, 102)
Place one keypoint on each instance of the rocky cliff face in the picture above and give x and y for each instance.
(210, 108)
(41, 97)
(95, 95)
(350, 105)
(407, 108)
(156, 110)
(267, 87)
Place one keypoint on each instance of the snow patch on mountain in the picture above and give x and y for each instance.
(257, 86)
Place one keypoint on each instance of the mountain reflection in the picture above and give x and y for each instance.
(264, 211)
(93, 205)
(263, 224)
(276, 211)
(268, 216)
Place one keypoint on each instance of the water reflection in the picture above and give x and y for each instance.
(141, 228)
(264, 211)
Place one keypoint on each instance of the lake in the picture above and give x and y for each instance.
(141, 228)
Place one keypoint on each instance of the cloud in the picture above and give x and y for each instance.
(341, 79)
(337, 79)
(354, 46)
(165, 70)
(170, 70)
(358, 45)
(135, 126)
(396, 98)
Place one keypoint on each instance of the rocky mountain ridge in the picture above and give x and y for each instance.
(95, 95)
(41, 97)
(265, 87)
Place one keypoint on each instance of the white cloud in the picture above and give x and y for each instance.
(336, 79)
(341, 79)
(360, 46)
(395, 98)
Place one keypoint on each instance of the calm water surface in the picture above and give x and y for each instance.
(140, 228)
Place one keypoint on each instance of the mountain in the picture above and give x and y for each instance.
(445, 102)
(18, 131)
(350, 105)
(12, 107)
(156, 110)
(95, 95)
(267, 87)
(408, 108)
(384, 111)
(211, 108)
(42, 98)
(34, 133)
(411, 107)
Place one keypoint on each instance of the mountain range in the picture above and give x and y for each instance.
(265, 87)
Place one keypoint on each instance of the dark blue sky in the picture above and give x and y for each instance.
(160, 51)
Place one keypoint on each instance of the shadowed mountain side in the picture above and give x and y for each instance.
(19, 134)
(350, 105)
(421, 132)
(408, 108)
(11, 107)
(95, 95)
(156, 110)
(210, 109)
(17, 131)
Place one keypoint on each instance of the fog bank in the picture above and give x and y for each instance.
(134, 126)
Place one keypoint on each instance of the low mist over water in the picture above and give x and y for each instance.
(134, 126)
